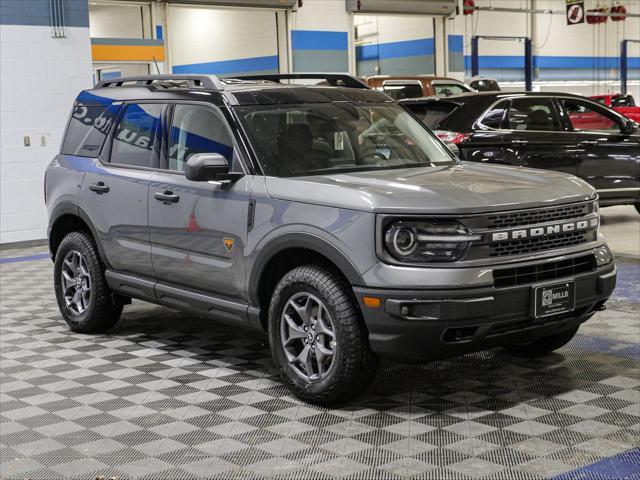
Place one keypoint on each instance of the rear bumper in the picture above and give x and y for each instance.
(420, 325)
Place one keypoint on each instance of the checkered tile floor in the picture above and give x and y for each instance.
(168, 396)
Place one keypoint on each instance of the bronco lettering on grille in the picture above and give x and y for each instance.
(543, 231)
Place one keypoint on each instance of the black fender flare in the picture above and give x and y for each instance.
(299, 240)
(72, 208)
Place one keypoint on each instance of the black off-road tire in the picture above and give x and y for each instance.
(102, 312)
(543, 346)
(354, 366)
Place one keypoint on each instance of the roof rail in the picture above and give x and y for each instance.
(203, 81)
(333, 79)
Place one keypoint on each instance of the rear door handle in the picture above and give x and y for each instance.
(589, 142)
(167, 197)
(99, 188)
(519, 142)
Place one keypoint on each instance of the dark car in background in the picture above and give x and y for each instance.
(553, 131)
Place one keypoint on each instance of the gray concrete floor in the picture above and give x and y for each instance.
(621, 228)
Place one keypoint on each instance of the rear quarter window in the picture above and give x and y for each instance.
(87, 129)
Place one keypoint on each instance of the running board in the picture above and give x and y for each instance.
(180, 298)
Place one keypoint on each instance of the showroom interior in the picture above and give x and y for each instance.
(196, 379)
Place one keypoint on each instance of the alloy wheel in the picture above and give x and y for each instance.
(76, 282)
(307, 335)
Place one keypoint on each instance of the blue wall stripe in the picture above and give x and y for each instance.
(36, 13)
(319, 40)
(254, 64)
(542, 61)
(39, 256)
(407, 48)
(455, 43)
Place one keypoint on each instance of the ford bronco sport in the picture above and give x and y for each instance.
(327, 216)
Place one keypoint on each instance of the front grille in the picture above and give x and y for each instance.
(529, 245)
(509, 277)
(541, 215)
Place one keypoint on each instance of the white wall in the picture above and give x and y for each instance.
(119, 21)
(330, 15)
(393, 28)
(204, 34)
(39, 79)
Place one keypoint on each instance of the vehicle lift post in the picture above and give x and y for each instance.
(624, 64)
(528, 57)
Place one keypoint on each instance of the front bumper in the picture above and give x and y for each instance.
(420, 325)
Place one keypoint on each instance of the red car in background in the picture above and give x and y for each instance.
(623, 104)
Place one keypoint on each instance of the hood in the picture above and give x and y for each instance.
(463, 188)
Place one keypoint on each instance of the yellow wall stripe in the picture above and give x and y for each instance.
(127, 53)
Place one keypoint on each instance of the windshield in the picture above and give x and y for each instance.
(314, 139)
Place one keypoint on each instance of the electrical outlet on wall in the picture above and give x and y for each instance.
(43, 140)
(27, 141)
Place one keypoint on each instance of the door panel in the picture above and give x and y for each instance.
(535, 138)
(198, 229)
(116, 201)
(609, 159)
(115, 193)
(198, 239)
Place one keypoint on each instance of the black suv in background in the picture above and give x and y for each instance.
(554, 131)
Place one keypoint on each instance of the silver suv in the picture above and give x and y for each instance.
(327, 216)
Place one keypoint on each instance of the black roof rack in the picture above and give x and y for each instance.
(333, 79)
(202, 81)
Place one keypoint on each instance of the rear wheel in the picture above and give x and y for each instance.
(317, 337)
(543, 346)
(83, 296)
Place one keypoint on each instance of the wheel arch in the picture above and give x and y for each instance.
(288, 251)
(68, 217)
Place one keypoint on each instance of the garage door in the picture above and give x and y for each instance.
(223, 41)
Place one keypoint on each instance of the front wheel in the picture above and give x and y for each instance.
(317, 337)
(543, 346)
(83, 296)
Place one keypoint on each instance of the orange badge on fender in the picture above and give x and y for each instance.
(228, 244)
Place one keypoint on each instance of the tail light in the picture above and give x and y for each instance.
(451, 137)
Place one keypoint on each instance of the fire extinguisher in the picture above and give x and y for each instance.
(468, 7)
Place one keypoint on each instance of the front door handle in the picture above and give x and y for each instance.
(167, 197)
(589, 142)
(99, 188)
(519, 142)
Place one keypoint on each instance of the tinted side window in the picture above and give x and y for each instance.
(532, 114)
(584, 117)
(493, 118)
(137, 138)
(88, 128)
(197, 129)
(398, 92)
(447, 89)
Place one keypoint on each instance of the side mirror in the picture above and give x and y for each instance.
(204, 167)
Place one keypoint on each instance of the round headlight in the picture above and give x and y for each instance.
(403, 240)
